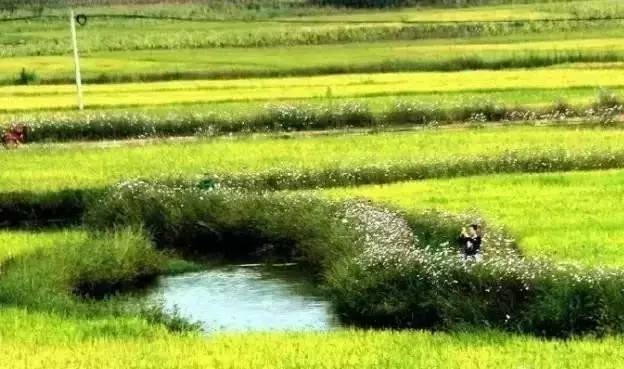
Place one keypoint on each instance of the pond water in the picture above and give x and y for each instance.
(246, 298)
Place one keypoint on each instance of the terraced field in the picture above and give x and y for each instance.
(73, 166)
(428, 55)
(429, 86)
(419, 120)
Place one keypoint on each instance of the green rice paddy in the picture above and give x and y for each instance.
(232, 59)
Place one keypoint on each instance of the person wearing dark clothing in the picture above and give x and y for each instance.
(470, 242)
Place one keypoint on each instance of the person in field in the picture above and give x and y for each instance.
(470, 242)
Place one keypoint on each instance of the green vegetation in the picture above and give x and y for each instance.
(545, 181)
(359, 248)
(42, 168)
(531, 206)
(24, 98)
(130, 343)
(435, 55)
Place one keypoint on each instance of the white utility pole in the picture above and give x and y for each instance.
(76, 59)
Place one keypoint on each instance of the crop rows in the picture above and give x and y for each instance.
(520, 82)
(96, 165)
(162, 65)
(144, 34)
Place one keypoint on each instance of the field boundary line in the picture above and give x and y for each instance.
(304, 21)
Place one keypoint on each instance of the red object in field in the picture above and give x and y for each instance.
(14, 136)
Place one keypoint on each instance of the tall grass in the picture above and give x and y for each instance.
(55, 278)
(230, 224)
(439, 290)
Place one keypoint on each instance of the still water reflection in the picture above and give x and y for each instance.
(246, 298)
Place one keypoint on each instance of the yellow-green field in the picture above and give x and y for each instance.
(357, 349)
(573, 217)
(41, 168)
(15, 98)
(557, 189)
(388, 56)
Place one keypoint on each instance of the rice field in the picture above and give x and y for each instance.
(556, 81)
(590, 234)
(531, 206)
(556, 188)
(132, 344)
(53, 167)
(154, 65)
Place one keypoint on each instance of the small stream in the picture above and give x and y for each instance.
(246, 298)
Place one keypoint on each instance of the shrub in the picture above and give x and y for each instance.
(227, 223)
(55, 279)
(608, 99)
(27, 77)
(436, 289)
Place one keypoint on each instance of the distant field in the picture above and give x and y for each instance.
(499, 12)
(289, 26)
(519, 83)
(441, 55)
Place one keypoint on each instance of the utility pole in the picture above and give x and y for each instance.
(76, 59)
